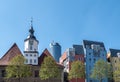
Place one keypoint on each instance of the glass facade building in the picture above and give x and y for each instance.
(55, 50)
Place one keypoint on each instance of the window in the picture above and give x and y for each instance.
(103, 54)
(3, 73)
(94, 60)
(34, 55)
(31, 42)
(36, 73)
(34, 60)
(90, 80)
(90, 59)
(89, 53)
(30, 47)
(30, 61)
(26, 54)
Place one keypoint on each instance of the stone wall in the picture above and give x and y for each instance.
(29, 79)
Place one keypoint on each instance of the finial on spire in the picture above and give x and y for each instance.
(31, 30)
(31, 21)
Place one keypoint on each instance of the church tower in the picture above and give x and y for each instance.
(31, 48)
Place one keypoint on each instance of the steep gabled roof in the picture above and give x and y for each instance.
(12, 52)
(43, 55)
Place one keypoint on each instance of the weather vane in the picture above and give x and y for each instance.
(31, 21)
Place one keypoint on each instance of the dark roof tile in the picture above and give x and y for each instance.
(78, 49)
(113, 52)
(89, 43)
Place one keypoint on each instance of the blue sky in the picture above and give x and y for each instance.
(67, 22)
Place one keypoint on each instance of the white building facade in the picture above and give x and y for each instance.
(31, 48)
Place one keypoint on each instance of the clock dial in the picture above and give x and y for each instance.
(31, 42)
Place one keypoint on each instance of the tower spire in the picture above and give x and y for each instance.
(32, 22)
(31, 30)
(31, 47)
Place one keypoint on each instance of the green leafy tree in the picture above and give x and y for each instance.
(77, 70)
(101, 70)
(49, 69)
(116, 73)
(17, 68)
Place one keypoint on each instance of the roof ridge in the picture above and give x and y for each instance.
(13, 51)
(9, 49)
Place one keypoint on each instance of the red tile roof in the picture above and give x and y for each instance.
(12, 52)
(45, 54)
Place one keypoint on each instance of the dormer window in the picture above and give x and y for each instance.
(95, 47)
(118, 54)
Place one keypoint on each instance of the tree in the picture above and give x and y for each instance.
(17, 68)
(101, 70)
(77, 70)
(49, 69)
(116, 73)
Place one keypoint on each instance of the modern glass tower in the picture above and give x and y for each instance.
(55, 50)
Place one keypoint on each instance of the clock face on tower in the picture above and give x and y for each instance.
(31, 42)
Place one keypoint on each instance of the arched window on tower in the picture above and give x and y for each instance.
(30, 47)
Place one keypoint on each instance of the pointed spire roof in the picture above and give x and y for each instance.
(12, 52)
(46, 53)
(31, 32)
